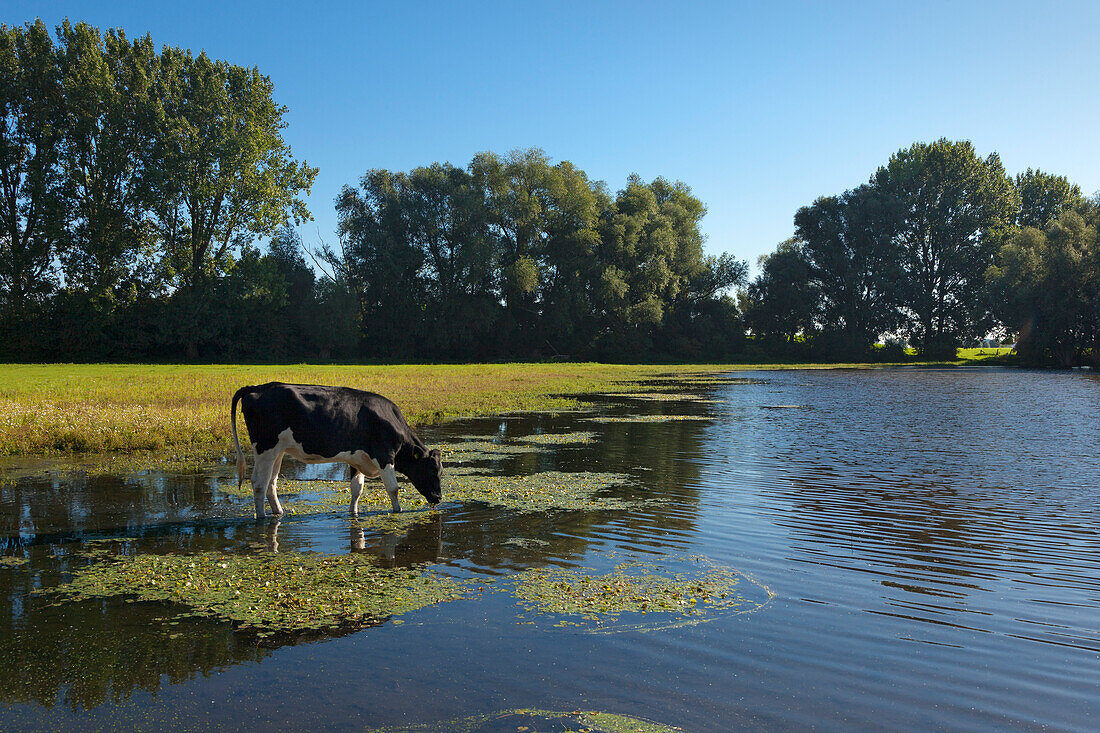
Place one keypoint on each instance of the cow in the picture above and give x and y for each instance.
(322, 424)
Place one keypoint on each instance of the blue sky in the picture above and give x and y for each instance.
(759, 107)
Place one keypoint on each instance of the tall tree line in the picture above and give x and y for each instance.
(514, 256)
(136, 185)
(938, 249)
(133, 184)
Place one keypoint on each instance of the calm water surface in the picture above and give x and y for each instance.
(930, 536)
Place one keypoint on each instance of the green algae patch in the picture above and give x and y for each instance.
(528, 543)
(289, 592)
(618, 600)
(10, 561)
(543, 491)
(558, 439)
(666, 397)
(534, 721)
(704, 380)
(650, 418)
(481, 450)
(535, 492)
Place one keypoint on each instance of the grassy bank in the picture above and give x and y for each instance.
(184, 410)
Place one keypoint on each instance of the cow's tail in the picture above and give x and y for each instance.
(242, 468)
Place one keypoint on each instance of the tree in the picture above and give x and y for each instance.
(1044, 197)
(651, 248)
(225, 174)
(1048, 286)
(378, 263)
(544, 219)
(448, 222)
(849, 242)
(31, 124)
(956, 210)
(784, 300)
(109, 133)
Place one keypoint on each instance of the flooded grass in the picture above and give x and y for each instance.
(583, 598)
(536, 492)
(664, 397)
(11, 561)
(266, 593)
(649, 418)
(481, 450)
(558, 439)
(535, 721)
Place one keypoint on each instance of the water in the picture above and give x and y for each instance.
(930, 537)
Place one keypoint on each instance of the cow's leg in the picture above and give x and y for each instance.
(389, 480)
(261, 478)
(356, 487)
(272, 493)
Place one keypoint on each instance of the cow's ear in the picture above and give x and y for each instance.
(417, 454)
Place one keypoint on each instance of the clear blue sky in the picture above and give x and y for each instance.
(759, 107)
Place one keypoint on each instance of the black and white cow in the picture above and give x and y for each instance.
(320, 424)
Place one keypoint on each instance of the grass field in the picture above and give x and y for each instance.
(184, 410)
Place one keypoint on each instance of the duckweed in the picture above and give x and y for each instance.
(649, 418)
(11, 561)
(521, 719)
(534, 492)
(582, 598)
(267, 593)
(574, 438)
(525, 542)
(481, 450)
(541, 491)
(665, 397)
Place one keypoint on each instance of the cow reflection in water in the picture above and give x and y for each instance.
(420, 543)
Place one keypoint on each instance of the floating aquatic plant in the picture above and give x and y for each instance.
(531, 492)
(649, 418)
(574, 438)
(520, 719)
(481, 450)
(666, 397)
(11, 561)
(584, 598)
(267, 593)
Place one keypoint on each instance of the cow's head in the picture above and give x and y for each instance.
(424, 471)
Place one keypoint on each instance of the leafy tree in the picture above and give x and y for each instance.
(448, 222)
(225, 174)
(849, 241)
(31, 124)
(378, 263)
(956, 210)
(544, 219)
(1048, 283)
(109, 133)
(651, 248)
(1044, 197)
(704, 321)
(784, 301)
